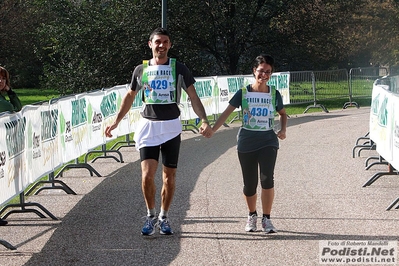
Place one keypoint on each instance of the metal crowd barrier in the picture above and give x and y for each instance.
(318, 86)
(361, 82)
(305, 87)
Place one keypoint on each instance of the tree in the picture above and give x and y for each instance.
(222, 37)
(17, 43)
(381, 31)
(318, 32)
(224, 34)
(90, 44)
(93, 44)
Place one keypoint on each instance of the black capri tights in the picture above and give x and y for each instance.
(265, 158)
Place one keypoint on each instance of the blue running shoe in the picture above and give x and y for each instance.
(149, 226)
(164, 226)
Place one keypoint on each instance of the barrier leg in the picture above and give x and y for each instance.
(366, 162)
(380, 161)
(374, 178)
(78, 165)
(369, 146)
(104, 151)
(51, 181)
(23, 209)
(365, 137)
(316, 106)
(7, 245)
(373, 147)
(130, 143)
(350, 104)
(393, 204)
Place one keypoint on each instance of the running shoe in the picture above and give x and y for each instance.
(149, 226)
(251, 223)
(268, 226)
(164, 226)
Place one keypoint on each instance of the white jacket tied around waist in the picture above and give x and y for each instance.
(153, 133)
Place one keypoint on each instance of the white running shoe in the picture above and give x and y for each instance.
(251, 223)
(268, 226)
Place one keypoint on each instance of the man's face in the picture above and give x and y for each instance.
(160, 46)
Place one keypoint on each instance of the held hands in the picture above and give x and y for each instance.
(206, 130)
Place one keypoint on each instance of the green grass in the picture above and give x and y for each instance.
(333, 104)
(32, 96)
(303, 91)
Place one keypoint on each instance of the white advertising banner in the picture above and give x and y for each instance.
(134, 113)
(13, 169)
(228, 86)
(95, 133)
(35, 160)
(381, 123)
(72, 127)
(395, 137)
(205, 88)
(111, 104)
(281, 81)
(51, 136)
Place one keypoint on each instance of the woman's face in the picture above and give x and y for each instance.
(3, 82)
(263, 72)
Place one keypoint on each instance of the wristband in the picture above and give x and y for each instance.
(205, 121)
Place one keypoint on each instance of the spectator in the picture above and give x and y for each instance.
(14, 104)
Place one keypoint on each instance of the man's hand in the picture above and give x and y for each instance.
(108, 130)
(206, 130)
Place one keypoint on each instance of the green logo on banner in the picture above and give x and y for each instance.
(79, 115)
(15, 136)
(235, 84)
(108, 105)
(374, 104)
(203, 88)
(49, 124)
(383, 113)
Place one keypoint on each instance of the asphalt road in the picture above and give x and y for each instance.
(319, 197)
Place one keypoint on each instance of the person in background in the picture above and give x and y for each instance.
(160, 81)
(257, 142)
(14, 104)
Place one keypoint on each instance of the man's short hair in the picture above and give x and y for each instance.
(159, 31)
